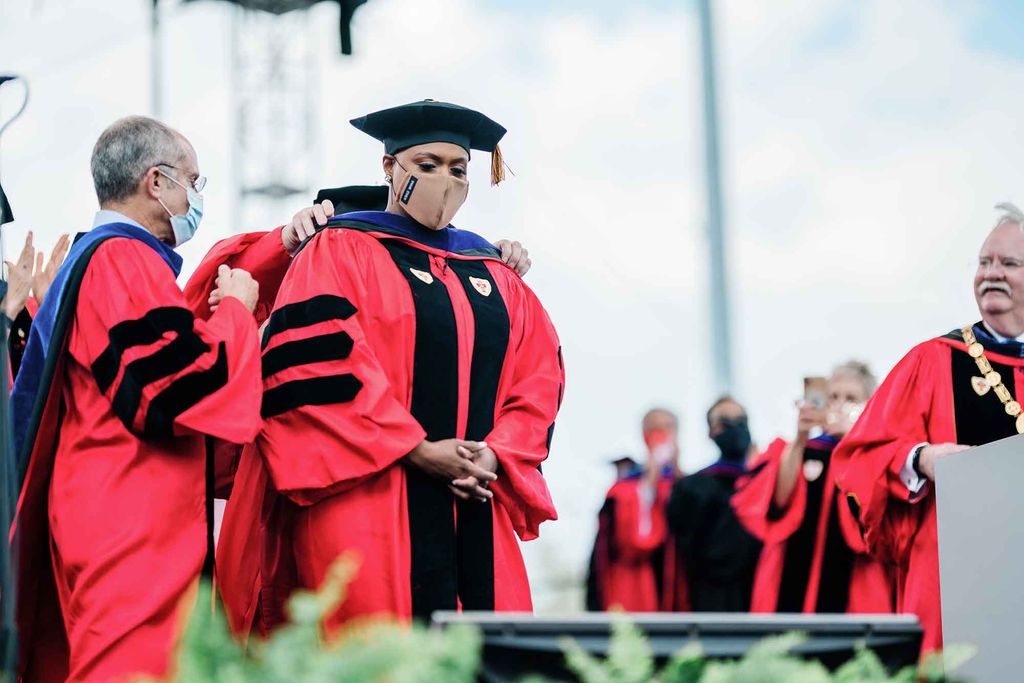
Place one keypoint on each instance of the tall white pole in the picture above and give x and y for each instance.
(721, 340)
(156, 70)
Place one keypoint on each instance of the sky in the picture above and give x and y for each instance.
(864, 147)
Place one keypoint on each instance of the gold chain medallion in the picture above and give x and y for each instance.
(991, 379)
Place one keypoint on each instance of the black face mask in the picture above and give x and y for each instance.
(734, 440)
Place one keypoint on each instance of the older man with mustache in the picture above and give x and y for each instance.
(947, 395)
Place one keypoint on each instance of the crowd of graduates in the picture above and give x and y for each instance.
(840, 517)
(759, 530)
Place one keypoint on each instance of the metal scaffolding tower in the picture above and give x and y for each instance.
(274, 73)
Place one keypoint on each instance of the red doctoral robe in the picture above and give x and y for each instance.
(378, 341)
(634, 564)
(813, 558)
(112, 517)
(926, 398)
(262, 254)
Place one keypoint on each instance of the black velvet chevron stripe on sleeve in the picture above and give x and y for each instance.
(183, 351)
(143, 331)
(336, 346)
(315, 310)
(312, 391)
(185, 392)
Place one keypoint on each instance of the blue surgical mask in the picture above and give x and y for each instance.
(185, 227)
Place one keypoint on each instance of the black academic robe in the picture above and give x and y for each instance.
(719, 555)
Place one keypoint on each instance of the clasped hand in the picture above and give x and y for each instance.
(467, 466)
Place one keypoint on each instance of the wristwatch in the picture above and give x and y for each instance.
(915, 461)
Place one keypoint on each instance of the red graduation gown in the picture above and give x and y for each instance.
(634, 563)
(813, 559)
(926, 397)
(112, 513)
(262, 254)
(377, 342)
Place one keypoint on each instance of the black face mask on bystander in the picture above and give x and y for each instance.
(734, 439)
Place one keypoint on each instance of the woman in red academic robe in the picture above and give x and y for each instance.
(813, 559)
(411, 383)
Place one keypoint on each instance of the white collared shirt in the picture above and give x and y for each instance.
(105, 216)
(1000, 338)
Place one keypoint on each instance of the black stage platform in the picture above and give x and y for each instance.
(516, 644)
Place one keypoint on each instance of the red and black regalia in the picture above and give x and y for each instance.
(718, 554)
(813, 559)
(119, 388)
(384, 334)
(943, 391)
(633, 564)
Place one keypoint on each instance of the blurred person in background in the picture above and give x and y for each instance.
(814, 559)
(625, 466)
(718, 555)
(630, 568)
(946, 395)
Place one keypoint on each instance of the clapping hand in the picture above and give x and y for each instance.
(19, 280)
(43, 276)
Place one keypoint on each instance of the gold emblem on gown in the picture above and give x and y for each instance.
(422, 276)
(481, 285)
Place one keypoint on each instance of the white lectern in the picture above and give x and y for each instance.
(980, 503)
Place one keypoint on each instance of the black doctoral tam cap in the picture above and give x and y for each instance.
(430, 121)
(355, 198)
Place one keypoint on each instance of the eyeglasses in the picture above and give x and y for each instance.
(198, 184)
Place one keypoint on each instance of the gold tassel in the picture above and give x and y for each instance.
(497, 166)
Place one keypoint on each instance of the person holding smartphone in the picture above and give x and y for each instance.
(813, 559)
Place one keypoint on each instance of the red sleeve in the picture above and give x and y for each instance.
(326, 396)
(525, 423)
(264, 256)
(900, 415)
(754, 499)
(260, 253)
(164, 371)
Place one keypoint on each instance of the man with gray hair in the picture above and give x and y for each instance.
(947, 395)
(119, 391)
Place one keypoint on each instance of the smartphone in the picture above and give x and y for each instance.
(816, 391)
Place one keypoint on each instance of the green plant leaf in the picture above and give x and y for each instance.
(685, 666)
(630, 657)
